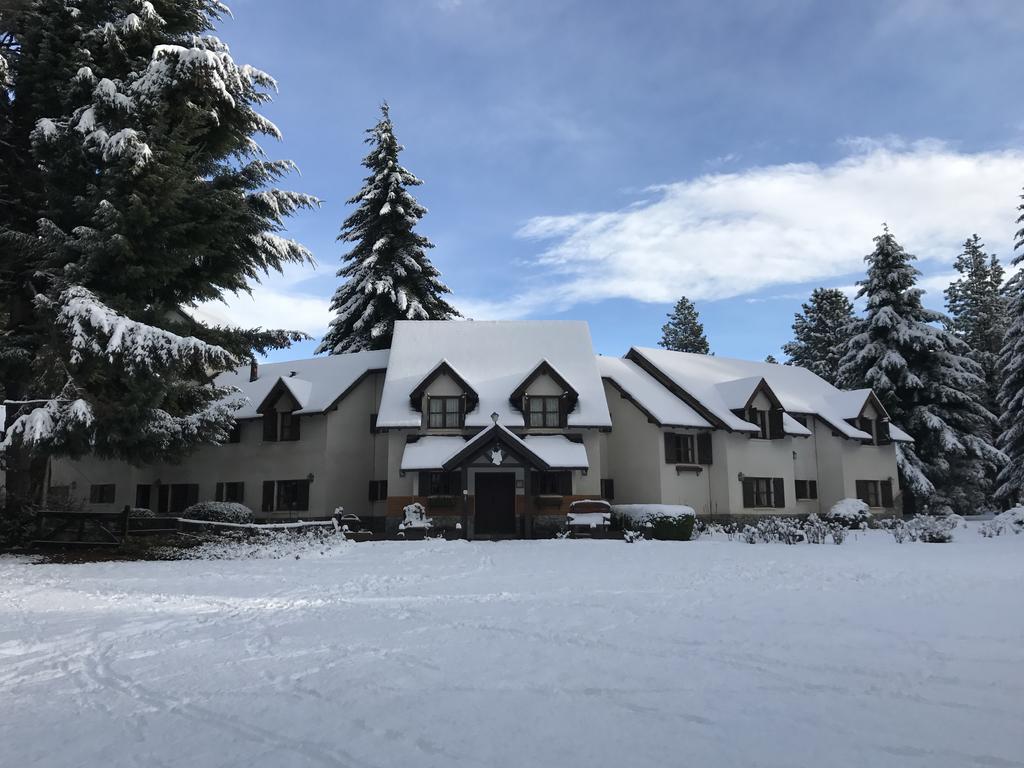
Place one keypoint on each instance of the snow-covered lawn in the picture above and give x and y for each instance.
(554, 653)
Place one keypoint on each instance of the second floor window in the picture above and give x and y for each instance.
(444, 412)
(280, 426)
(544, 412)
(679, 449)
(760, 418)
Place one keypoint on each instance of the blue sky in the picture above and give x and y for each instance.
(595, 160)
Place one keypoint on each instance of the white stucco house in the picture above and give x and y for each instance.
(499, 426)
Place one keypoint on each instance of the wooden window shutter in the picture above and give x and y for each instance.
(779, 491)
(884, 438)
(163, 495)
(565, 483)
(801, 489)
(142, 496)
(608, 489)
(535, 487)
(887, 499)
(672, 449)
(775, 430)
(268, 495)
(270, 426)
(748, 492)
(192, 494)
(371, 491)
(812, 489)
(218, 495)
(424, 483)
(296, 426)
(704, 455)
(302, 503)
(862, 490)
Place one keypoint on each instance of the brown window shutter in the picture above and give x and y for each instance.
(303, 501)
(268, 495)
(887, 499)
(775, 430)
(884, 438)
(862, 490)
(812, 489)
(704, 455)
(270, 426)
(748, 493)
(672, 449)
(424, 483)
(779, 492)
(219, 493)
(296, 426)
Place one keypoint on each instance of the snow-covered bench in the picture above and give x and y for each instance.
(589, 517)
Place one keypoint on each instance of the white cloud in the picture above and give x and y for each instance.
(730, 234)
(275, 303)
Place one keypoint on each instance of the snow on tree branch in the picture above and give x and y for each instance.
(94, 328)
(56, 416)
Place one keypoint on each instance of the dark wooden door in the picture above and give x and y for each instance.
(495, 503)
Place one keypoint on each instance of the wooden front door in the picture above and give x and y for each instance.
(495, 503)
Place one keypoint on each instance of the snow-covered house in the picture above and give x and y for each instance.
(499, 426)
(734, 437)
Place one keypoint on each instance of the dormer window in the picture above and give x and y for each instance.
(544, 411)
(760, 418)
(445, 413)
(280, 426)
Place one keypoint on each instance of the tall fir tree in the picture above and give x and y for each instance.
(388, 276)
(977, 309)
(820, 332)
(1010, 484)
(930, 387)
(143, 193)
(684, 331)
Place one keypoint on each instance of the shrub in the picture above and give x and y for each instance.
(1010, 521)
(816, 530)
(665, 522)
(219, 512)
(141, 512)
(849, 512)
(415, 518)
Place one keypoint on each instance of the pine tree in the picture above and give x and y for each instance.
(144, 192)
(978, 310)
(1011, 395)
(771, 359)
(820, 333)
(684, 331)
(388, 276)
(925, 380)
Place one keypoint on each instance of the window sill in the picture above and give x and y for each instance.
(694, 468)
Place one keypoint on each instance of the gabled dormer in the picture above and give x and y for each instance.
(762, 407)
(280, 407)
(545, 398)
(872, 420)
(443, 397)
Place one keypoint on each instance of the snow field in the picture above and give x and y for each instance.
(551, 653)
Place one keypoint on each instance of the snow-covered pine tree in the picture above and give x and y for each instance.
(820, 332)
(977, 310)
(927, 383)
(144, 193)
(684, 331)
(388, 276)
(771, 359)
(1010, 484)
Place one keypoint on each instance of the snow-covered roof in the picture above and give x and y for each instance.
(667, 409)
(493, 357)
(316, 385)
(717, 383)
(435, 451)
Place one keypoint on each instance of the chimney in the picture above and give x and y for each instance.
(254, 370)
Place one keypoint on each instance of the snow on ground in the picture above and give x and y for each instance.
(555, 653)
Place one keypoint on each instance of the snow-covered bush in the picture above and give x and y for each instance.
(666, 522)
(849, 512)
(838, 532)
(630, 536)
(1010, 521)
(142, 512)
(816, 530)
(219, 512)
(415, 518)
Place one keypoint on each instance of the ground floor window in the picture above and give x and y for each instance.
(440, 483)
(234, 492)
(177, 497)
(806, 489)
(101, 493)
(763, 492)
(143, 496)
(875, 493)
(551, 483)
(286, 495)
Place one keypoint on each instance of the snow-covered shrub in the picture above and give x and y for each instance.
(219, 512)
(630, 536)
(142, 512)
(838, 532)
(849, 512)
(932, 529)
(415, 518)
(816, 530)
(750, 534)
(899, 531)
(665, 522)
(1010, 521)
